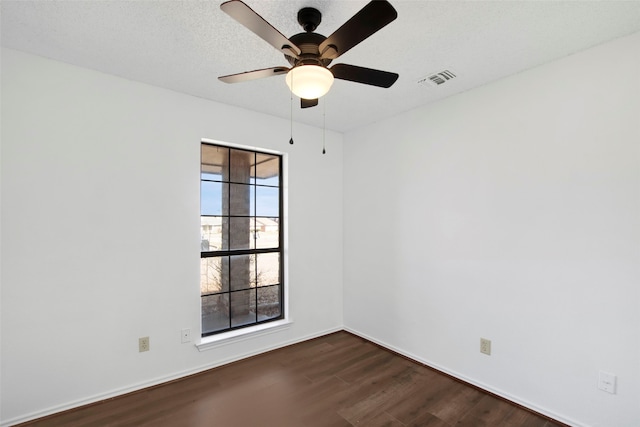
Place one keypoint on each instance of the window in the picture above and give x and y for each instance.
(241, 258)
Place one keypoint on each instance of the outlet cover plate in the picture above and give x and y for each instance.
(143, 344)
(485, 346)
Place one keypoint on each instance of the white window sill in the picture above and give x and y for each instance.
(214, 341)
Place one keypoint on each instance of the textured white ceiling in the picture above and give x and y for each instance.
(186, 45)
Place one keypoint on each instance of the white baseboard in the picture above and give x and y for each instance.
(490, 389)
(160, 380)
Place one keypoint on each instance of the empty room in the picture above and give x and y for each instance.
(320, 213)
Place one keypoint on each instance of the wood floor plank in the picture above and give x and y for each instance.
(424, 398)
(457, 403)
(338, 380)
(383, 419)
(364, 410)
(521, 418)
(490, 410)
(428, 420)
(347, 358)
(319, 399)
(366, 366)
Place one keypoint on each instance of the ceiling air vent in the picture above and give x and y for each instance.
(437, 79)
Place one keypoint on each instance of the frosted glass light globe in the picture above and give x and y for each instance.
(309, 81)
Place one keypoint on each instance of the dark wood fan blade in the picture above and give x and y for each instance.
(306, 103)
(370, 19)
(253, 75)
(258, 25)
(367, 76)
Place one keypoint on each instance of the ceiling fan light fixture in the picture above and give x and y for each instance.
(309, 81)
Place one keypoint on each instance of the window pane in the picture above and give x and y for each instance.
(240, 200)
(267, 170)
(213, 275)
(240, 166)
(210, 176)
(239, 233)
(255, 233)
(211, 198)
(215, 313)
(243, 310)
(214, 160)
(240, 272)
(267, 201)
(267, 233)
(252, 200)
(268, 268)
(268, 303)
(252, 270)
(210, 233)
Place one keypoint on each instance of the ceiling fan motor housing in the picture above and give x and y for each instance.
(309, 41)
(310, 53)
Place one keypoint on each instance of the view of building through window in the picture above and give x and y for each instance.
(241, 281)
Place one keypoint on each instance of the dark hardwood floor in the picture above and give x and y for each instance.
(335, 380)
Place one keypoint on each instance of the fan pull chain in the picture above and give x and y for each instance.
(324, 125)
(291, 114)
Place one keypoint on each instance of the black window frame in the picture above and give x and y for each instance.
(280, 250)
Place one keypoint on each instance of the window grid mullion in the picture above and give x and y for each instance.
(255, 233)
(228, 201)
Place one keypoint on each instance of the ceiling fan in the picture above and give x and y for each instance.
(310, 53)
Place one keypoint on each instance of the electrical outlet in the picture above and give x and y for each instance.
(186, 335)
(485, 346)
(143, 344)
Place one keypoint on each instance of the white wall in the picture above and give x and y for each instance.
(510, 212)
(100, 232)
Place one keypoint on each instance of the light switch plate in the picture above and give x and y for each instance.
(607, 382)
